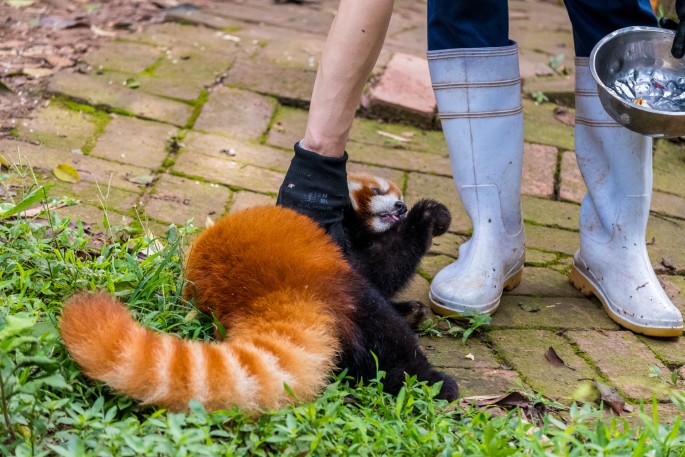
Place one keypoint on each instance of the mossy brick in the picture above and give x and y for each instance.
(551, 239)
(545, 282)
(407, 31)
(538, 77)
(525, 350)
(237, 150)
(571, 185)
(531, 64)
(236, 113)
(228, 172)
(366, 132)
(171, 35)
(519, 311)
(563, 265)
(550, 213)
(285, 15)
(674, 286)
(285, 83)
(123, 56)
(447, 244)
(92, 194)
(539, 167)
(558, 88)
(541, 127)
(668, 204)
(669, 167)
(442, 189)
(670, 351)
(476, 382)
(90, 169)
(93, 216)
(97, 91)
(415, 290)
(624, 360)
(665, 241)
(288, 127)
(134, 141)
(184, 72)
(431, 264)
(402, 92)
(246, 199)
(86, 193)
(450, 352)
(536, 258)
(546, 39)
(176, 199)
(400, 159)
(201, 17)
(285, 47)
(675, 289)
(545, 16)
(58, 127)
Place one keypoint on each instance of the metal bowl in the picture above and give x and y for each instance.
(637, 48)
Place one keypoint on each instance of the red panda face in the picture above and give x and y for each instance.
(377, 201)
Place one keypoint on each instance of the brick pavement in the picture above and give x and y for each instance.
(195, 118)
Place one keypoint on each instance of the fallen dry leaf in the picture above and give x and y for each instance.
(38, 209)
(470, 356)
(564, 116)
(511, 400)
(20, 3)
(4, 163)
(58, 61)
(101, 32)
(192, 314)
(611, 397)
(57, 22)
(67, 173)
(38, 72)
(555, 360)
(143, 180)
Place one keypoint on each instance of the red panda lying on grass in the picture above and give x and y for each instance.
(294, 307)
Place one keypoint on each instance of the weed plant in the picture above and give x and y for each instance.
(47, 407)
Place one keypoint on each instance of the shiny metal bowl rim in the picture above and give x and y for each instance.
(610, 92)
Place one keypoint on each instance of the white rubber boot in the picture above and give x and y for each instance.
(612, 262)
(478, 92)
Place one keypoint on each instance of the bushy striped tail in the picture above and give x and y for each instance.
(249, 371)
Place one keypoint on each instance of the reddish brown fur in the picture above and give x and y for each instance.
(273, 279)
(362, 195)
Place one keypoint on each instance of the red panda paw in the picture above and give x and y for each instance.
(434, 213)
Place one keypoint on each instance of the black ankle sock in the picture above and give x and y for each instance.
(316, 186)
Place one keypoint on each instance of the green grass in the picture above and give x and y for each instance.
(47, 407)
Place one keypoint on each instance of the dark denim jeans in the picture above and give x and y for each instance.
(485, 23)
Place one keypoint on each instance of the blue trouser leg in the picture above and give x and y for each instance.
(456, 24)
(592, 20)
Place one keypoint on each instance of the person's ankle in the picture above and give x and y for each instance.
(323, 148)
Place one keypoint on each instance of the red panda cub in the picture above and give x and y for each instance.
(386, 241)
(294, 307)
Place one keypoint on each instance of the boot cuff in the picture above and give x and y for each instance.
(474, 52)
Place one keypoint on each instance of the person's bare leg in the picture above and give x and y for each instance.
(316, 181)
(352, 48)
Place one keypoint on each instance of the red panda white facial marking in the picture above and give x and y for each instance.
(378, 202)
